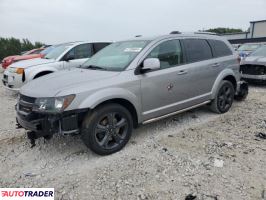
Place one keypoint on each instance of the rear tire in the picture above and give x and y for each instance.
(107, 129)
(224, 97)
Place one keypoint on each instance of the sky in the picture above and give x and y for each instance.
(57, 21)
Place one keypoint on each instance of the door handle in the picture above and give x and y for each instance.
(182, 72)
(216, 65)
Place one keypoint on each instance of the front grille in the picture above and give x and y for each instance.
(27, 99)
(253, 69)
(26, 103)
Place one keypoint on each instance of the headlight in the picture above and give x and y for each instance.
(16, 70)
(53, 104)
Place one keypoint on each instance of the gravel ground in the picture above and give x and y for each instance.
(199, 153)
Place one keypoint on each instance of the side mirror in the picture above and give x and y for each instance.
(151, 64)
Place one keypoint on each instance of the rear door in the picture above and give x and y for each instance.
(80, 54)
(200, 65)
(222, 58)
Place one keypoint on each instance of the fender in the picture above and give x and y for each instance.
(101, 96)
(31, 72)
(226, 72)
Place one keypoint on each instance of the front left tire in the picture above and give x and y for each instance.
(107, 129)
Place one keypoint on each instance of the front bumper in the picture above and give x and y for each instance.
(43, 125)
(253, 77)
(12, 81)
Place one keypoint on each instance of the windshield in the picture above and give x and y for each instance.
(117, 56)
(260, 51)
(248, 47)
(57, 51)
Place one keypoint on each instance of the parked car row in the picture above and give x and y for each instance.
(59, 57)
(34, 53)
(103, 97)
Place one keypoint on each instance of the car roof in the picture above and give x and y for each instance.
(80, 42)
(179, 35)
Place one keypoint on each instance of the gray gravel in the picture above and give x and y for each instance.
(199, 153)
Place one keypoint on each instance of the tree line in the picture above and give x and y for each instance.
(13, 46)
(222, 30)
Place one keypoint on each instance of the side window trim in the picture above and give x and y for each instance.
(212, 50)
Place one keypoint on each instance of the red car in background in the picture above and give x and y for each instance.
(34, 53)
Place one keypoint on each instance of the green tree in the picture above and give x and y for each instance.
(13, 46)
(221, 30)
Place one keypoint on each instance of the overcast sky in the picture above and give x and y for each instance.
(55, 21)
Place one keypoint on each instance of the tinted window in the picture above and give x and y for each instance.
(219, 48)
(83, 51)
(197, 50)
(169, 53)
(99, 46)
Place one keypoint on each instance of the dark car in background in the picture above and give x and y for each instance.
(253, 67)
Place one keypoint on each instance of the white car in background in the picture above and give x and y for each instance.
(63, 56)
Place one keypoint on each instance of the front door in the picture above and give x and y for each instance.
(161, 88)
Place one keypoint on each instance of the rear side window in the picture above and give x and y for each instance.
(197, 50)
(99, 46)
(219, 48)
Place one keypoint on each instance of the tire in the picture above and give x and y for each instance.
(107, 129)
(224, 97)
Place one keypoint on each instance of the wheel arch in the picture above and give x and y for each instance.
(228, 75)
(126, 104)
(31, 72)
(115, 95)
(42, 73)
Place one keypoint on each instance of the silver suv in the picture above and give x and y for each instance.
(129, 83)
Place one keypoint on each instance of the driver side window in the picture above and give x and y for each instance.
(169, 53)
(80, 52)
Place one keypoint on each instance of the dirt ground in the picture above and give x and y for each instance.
(206, 155)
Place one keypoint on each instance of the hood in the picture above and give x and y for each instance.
(26, 57)
(32, 62)
(52, 84)
(255, 60)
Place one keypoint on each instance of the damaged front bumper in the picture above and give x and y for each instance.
(46, 125)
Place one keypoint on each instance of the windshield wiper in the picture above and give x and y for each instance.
(93, 67)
